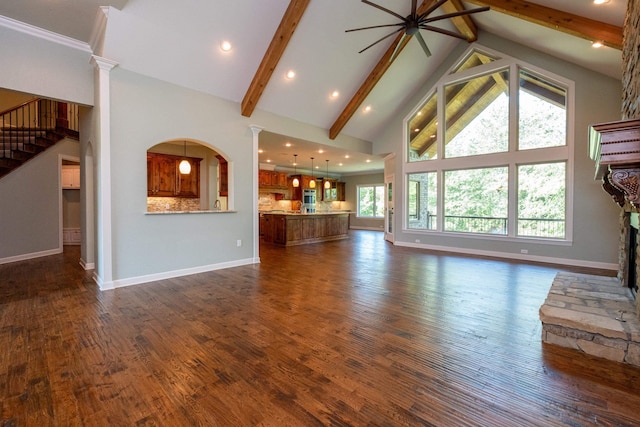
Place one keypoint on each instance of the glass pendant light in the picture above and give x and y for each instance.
(327, 184)
(312, 183)
(296, 181)
(185, 166)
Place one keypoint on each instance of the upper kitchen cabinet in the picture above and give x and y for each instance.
(223, 175)
(165, 180)
(335, 192)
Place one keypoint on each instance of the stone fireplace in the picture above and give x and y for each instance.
(615, 147)
(593, 314)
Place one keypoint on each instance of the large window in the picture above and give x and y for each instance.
(488, 152)
(371, 201)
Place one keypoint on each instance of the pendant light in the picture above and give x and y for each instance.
(327, 184)
(185, 166)
(312, 183)
(296, 181)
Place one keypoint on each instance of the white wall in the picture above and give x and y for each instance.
(595, 218)
(30, 205)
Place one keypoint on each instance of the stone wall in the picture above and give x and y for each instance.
(631, 63)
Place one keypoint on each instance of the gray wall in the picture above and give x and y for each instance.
(351, 201)
(42, 67)
(595, 219)
(31, 205)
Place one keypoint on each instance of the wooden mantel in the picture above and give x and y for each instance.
(615, 147)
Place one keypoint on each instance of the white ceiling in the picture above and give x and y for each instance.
(178, 42)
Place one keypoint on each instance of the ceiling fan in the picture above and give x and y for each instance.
(414, 22)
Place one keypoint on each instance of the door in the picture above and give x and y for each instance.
(388, 209)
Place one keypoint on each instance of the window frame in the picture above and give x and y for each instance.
(374, 186)
(511, 159)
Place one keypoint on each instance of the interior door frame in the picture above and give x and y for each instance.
(389, 196)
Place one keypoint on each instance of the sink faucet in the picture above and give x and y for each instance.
(217, 205)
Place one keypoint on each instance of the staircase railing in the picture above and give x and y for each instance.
(33, 126)
(24, 127)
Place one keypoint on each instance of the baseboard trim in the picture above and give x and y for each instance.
(32, 255)
(520, 257)
(132, 281)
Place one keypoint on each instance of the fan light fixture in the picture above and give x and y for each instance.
(414, 22)
(296, 181)
(327, 184)
(185, 166)
(312, 183)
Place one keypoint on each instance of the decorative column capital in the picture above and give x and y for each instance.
(256, 129)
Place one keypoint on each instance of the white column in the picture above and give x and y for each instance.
(102, 119)
(256, 217)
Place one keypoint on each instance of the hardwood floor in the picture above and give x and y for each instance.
(347, 333)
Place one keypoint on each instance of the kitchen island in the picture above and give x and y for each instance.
(298, 229)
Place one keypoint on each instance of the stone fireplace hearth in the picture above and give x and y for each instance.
(600, 315)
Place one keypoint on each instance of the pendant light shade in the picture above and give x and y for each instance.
(312, 183)
(185, 167)
(296, 181)
(327, 184)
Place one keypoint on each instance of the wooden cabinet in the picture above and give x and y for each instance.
(273, 179)
(223, 176)
(336, 192)
(71, 177)
(165, 180)
(296, 229)
(305, 180)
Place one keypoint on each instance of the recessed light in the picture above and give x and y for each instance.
(416, 130)
(321, 151)
(268, 160)
(596, 44)
(368, 160)
(288, 144)
(290, 74)
(260, 151)
(419, 113)
(335, 94)
(340, 164)
(346, 156)
(225, 46)
(600, 1)
(367, 108)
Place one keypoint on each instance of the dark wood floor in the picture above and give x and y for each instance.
(347, 333)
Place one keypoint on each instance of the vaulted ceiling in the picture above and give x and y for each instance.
(179, 42)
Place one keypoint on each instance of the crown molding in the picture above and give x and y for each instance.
(41, 33)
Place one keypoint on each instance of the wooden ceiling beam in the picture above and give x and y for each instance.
(578, 26)
(272, 56)
(464, 24)
(373, 78)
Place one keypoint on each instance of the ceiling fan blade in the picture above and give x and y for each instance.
(423, 44)
(379, 40)
(443, 31)
(432, 8)
(401, 24)
(414, 7)
(384, 9)
(454, 14)
(396, 51)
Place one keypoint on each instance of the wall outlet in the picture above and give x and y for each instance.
(524, 251)
(239, 243)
